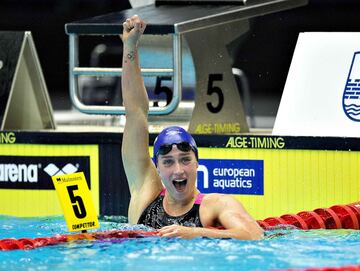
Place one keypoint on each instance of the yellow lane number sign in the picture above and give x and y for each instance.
(76, 202)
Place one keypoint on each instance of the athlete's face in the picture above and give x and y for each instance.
(178, 171)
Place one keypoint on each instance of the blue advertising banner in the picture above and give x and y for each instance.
(231, 176)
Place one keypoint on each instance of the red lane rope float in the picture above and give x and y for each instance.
(30, 243)
(332, 221)
(312, 220)
(347, 216)
(273, 221)
(335, 217)
(355, 207)
(343, 268)
(295, 220)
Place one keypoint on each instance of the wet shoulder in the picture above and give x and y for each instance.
(214, 198)
(210, 209)
(214, 201)
(218, 202)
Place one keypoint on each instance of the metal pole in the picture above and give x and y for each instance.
(75, 71)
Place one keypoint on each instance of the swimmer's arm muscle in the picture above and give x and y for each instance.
(235, 219)
(135, 153)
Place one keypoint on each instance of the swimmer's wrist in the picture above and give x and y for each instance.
(201, 232)
(197, 232)
(130, 46)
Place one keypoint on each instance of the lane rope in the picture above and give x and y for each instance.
(335, 217)
(342, 268)
(31, 243)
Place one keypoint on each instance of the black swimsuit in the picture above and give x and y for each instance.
(155, 216)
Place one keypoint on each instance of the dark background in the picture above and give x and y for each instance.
(264, 54)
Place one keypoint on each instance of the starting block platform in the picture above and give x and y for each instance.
(206, 30)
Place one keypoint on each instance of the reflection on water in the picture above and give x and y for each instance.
(282, 248)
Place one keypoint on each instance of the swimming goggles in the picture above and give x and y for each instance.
(182, 146)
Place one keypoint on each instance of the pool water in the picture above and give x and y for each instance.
(282, 248)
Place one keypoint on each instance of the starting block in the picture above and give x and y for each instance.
(24, 100)
(206, 30)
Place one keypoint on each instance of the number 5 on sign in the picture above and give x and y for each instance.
(76, 202)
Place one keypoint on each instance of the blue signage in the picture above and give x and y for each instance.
(231, 176)
(351, 96)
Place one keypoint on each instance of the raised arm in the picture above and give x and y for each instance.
(138, 166)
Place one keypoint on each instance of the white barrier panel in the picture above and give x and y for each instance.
(24, 99)
(322, 91)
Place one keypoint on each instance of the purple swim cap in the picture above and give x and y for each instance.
(172, 135)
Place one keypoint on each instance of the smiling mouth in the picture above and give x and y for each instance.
(180, 184)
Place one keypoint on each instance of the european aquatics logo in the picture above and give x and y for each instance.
(351, 96)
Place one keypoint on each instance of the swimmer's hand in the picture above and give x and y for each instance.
(133, 28)
(178, 231)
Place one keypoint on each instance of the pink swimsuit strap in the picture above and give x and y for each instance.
(198, 200)
(162, 193)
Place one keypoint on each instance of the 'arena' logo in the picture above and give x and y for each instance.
(52, 170)
(35, 172)
(19, 173)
